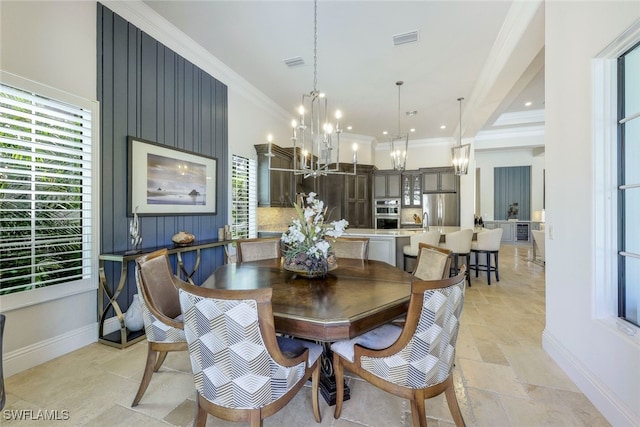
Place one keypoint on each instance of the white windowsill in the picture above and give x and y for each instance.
(41, 295)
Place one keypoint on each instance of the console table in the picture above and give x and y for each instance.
(124, 338)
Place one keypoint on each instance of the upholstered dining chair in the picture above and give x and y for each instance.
(431, 237)
(459, 242)
(434, 262)
(414, 362)
(488, 243)
(351, 247)
(257, 249)
(160, 311)
(241, 369)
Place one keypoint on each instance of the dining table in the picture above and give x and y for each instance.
(356, 297)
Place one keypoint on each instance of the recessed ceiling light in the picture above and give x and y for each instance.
(528, 104)
(443, 127)
(349, 127)
(412, 130)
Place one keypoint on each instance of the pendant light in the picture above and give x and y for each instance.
(460, 153)
(398, 152)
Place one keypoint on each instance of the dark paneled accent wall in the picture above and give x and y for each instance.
(148, 91)
(512, 184)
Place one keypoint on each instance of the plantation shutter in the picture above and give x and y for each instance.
(45, 191)
(244, 197)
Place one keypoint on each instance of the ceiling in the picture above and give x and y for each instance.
(489, 52)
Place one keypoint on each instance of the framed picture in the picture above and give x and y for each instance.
(168, 181)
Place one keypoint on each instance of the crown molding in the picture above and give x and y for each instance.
(519, 118)
(506, 133)
(147, 20)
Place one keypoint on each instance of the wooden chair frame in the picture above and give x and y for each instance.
(445, 251)
(156, 351)
(416, 396)
(254, 416)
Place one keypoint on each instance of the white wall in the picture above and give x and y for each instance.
(602, 360)
(60, 54)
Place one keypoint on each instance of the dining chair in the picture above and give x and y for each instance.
(257, 249)
(459, 242)
(432, 237)
(488, 243)
(161, 313)
(242, 371)
(433, 262)
(414, 362)
(351, 247)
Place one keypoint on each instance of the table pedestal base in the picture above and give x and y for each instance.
(327, 384)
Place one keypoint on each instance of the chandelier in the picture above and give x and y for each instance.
(398, 152)
(316, 141)
(460, 153)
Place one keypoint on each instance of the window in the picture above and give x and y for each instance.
(243, 197)
(47, 234)
(629, 185)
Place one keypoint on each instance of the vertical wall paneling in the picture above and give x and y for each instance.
(148, 91)
(512, 184)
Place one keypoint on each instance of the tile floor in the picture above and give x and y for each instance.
(502, 375)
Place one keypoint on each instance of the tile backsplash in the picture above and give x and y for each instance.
(275, 219)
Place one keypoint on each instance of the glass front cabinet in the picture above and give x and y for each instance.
(411, 189)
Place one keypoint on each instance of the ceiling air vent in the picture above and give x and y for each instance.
(404, 38)
(296, 61)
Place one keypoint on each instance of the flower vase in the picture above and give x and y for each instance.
(133, 317)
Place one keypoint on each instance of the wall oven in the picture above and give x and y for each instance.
(387, 213)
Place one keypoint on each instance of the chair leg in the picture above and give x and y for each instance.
(477, 263)
(495, 257)
(338, 371)
(452, 401)
(148, 372)
(201, 413)
(315, 378)
(161, 356)
(418, 412)
(468, 257)
(488, 268)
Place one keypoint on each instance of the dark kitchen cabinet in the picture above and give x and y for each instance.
(439, 180)
(349, 196)
(275, 188)
(386, 184)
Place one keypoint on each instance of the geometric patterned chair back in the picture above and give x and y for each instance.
(428, 357)
(231, 365)
(158, 297)
(351, 247)
(257, 249)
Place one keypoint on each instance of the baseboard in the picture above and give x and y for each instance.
(616, 412)
(35, 354)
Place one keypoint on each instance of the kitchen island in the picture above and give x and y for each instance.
(384, 245)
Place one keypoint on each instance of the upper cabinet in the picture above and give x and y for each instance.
(439, 180)
(386, 184)
(348, 196)
(275, 188)
(411, 189)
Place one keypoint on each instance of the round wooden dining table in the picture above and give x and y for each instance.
(352, 299)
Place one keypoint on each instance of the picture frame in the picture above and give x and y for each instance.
(166, 181)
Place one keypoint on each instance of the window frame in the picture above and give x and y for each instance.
(30, 297)
(252, 199)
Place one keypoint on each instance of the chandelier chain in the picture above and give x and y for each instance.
(315, 46)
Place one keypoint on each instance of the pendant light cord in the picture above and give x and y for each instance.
(315, 46)
(460, 131)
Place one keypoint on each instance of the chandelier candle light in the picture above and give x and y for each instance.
(316, 141)
(460, 153)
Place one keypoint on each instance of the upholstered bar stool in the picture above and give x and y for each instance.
(431, 237)
(488, 243)
(459, 242)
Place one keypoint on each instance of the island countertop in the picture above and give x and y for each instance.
(373, 232)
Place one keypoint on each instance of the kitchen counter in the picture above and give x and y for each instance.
(384, 245)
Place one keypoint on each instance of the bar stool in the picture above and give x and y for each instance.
(459, 242)
(487, 242)
(431, 237)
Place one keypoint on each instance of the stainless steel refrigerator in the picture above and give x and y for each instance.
(442, 209)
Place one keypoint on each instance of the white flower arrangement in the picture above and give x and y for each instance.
(305, 245)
